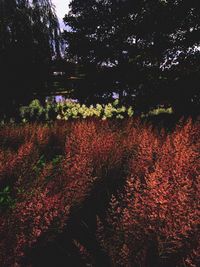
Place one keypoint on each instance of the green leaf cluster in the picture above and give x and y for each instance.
(6, 200)
(72, 110)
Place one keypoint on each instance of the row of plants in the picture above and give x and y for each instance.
(67, 110)
(99, 193)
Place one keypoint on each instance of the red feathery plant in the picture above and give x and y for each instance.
(155, 221)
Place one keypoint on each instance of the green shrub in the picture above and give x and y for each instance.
(70, 110)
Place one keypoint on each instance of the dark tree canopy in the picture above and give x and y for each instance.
(29, 39)
(148, 51)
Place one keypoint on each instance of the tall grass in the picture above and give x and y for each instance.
(108, 193)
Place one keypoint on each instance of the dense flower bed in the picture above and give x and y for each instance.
(68, 110)
(99, 193)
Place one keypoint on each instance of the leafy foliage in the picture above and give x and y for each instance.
(70, 110)
(146, 51)
(29, 38)
(5, 198)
